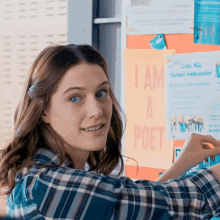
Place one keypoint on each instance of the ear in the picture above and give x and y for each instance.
(45, 117)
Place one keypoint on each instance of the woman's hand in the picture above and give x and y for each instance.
(196, 149)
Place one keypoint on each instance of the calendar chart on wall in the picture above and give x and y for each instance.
(26, 28)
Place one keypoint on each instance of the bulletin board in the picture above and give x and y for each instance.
(181, 43)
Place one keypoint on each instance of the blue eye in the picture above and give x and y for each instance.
(102, 94)
(75, 99)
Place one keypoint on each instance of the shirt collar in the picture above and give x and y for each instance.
(49, 157)
(43, 157)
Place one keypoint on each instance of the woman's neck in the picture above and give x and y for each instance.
(78, 157)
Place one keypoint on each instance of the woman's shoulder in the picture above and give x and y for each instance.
(47, 169)
(47, 165)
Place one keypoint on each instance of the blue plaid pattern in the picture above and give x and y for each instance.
(67, 193)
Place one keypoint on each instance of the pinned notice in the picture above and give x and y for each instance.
(192, 95)
(155, 17)
(145, 137)
(158, 42)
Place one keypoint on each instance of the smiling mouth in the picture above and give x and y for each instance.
(94, 129)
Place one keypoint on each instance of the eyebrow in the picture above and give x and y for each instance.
(82, 88)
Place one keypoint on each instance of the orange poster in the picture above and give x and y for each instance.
(145, 137)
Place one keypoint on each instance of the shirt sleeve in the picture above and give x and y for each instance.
(63, 193)
(193, 197)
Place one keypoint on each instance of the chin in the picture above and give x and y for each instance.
(98, 148)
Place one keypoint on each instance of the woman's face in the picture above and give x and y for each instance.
(80, 110)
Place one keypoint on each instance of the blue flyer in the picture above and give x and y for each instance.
(207, 22)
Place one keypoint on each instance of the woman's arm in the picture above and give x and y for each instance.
(66, 193)
(76, 194)
(178, 169)
(194, 152)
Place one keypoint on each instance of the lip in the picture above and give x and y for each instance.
(93, 126)
(96, 132)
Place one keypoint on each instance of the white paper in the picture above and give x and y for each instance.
(159, 16)
(192, 95)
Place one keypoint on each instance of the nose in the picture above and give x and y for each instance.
(94, 108)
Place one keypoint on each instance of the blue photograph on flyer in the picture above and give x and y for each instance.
(207, 22)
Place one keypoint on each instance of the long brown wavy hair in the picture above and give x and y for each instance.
(30, 131)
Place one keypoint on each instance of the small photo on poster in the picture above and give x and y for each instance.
(186, 124)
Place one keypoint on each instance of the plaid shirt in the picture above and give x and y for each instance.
(67, 193)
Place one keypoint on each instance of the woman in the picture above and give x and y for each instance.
(68, 117)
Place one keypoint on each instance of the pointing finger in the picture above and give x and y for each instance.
(208, 146)
(212, 142)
